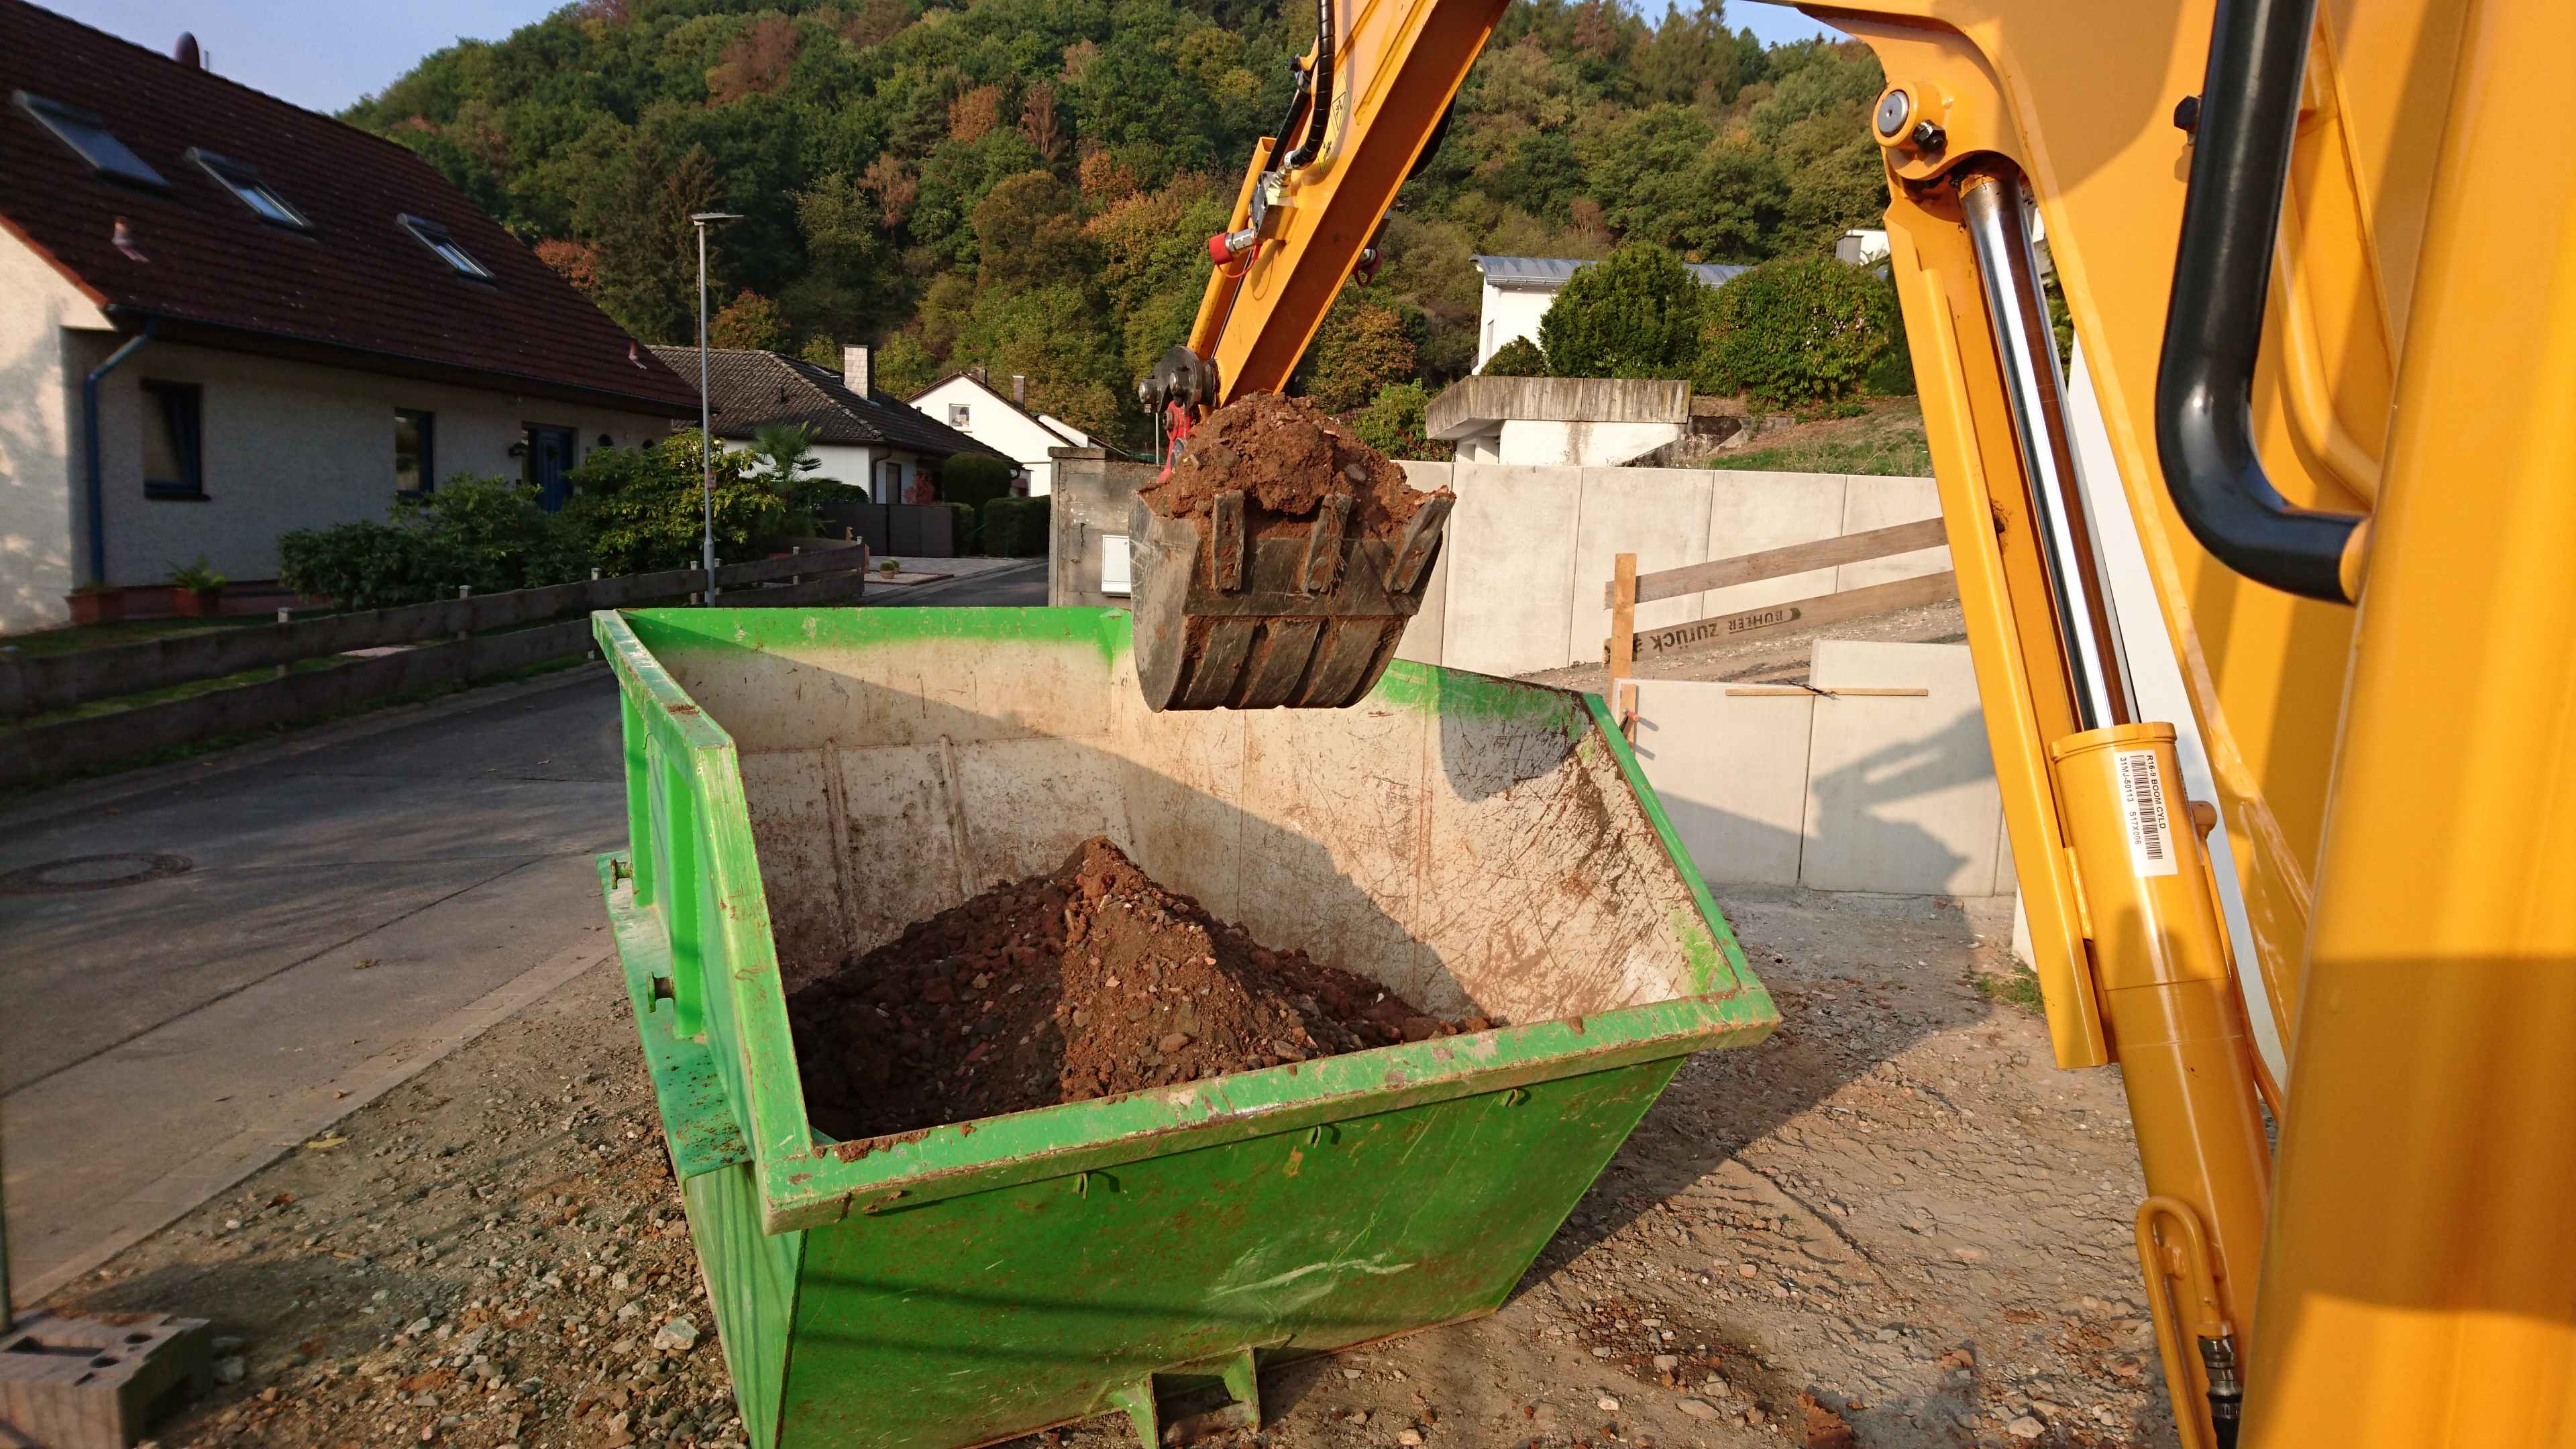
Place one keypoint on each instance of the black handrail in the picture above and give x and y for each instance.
(2240, 166)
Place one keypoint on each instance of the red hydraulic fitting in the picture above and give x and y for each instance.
(1229, 246)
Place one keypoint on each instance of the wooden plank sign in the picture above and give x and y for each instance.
(1777, 563)
(1797, 614)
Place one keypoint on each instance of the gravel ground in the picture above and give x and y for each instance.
(1893, 1223)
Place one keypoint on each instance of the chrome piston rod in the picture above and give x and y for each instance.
(2088, 623)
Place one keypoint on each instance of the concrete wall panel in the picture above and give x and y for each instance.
(1424, 637)
(1511, 567)
(1883, 503)
(1732, 773)
(1658, 514)
(1749, 512)
(1901, 791)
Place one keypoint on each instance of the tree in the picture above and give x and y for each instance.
(1636, 315)
(1394, 424)
(1519, 357)
(750, 321)
(787, 449)
(642, 506)
(903, 366)
(1027, 234)
(1359, 350)
(1797, 330)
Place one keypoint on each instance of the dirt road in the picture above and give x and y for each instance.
(1895, 1209)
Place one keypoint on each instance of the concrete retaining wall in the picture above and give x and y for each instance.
(1530, 547)
(1866, 793)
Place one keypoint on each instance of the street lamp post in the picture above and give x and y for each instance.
(706, 409)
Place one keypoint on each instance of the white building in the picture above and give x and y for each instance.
(1519, 290)
(964, 401)
(860, 437)
(222, 318)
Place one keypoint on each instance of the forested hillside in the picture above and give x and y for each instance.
(1028, 185)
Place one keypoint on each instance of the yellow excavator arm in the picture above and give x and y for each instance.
(2267, 589)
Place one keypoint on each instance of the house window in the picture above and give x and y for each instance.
(958, 415)
(435, 237)
(87, 134)
(242, 180)
(173, 440)
(415, 465)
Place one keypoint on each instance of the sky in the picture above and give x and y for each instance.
(325, 57)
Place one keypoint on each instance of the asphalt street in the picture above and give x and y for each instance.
(265, 946)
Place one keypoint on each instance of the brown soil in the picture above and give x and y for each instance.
(1287, 455)
(1090, 982)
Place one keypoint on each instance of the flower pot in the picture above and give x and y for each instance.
(195, 603)
(98, 606)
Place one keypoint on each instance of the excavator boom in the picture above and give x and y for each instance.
(2265, 583)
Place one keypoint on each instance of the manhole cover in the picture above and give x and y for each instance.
(90, 873)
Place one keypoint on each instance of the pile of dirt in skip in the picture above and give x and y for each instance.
(1286, 455)
(1090, 982)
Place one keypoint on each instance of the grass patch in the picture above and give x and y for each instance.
(1885, 441)
(2020, 987)
(73, 638)
(211, 744)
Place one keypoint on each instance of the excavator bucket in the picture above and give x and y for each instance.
(1238, 611)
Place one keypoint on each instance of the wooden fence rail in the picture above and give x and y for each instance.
(44, 683)
(1627, 588)
(39, 752)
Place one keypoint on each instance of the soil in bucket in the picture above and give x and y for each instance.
(1089, 982)
(1287, 455)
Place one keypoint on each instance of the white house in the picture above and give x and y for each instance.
(964, 401)
(1519, 290)
(861, 437)
(222, 318)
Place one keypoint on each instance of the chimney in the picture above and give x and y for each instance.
(1020, 389)
(855, 373)
(186, 52)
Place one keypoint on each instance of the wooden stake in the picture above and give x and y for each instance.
(1623, 618)
(1783, 690)
(1628, 712)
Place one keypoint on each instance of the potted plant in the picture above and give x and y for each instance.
(196, 591)
(97, 603)
(890, 567)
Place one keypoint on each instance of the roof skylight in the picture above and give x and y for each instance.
(242, 180)
(436, 238)
(87, 134)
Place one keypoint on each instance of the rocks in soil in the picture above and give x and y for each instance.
(1092, 981)
(1287, 455)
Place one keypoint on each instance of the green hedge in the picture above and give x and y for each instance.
(1017, 527)
(1796, 331)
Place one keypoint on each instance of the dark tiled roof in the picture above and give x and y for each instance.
(357, 290)
(751, 390)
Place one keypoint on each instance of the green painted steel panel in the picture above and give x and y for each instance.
(989, 1278)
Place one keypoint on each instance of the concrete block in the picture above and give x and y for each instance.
(1900, 790)
(1658, 514)
(1424, 636)
(1731, 771)
(1883, 503)
(1511, 567)
(1540, 442)
(1749, 512)
(70, 1381)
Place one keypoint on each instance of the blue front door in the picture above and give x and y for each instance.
(550, 460)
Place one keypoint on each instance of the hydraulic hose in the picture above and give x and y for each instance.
(1319, 111)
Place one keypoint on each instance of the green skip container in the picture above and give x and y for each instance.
(801, 785)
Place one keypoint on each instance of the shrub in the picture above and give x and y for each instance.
(488, 534)
(368, 565)
(1017, 527)
(500, 536)
(1637, 314)
(975, 479)
(1795, 331)
(961, 527)
(1395, 424)
(642, 506)
(1519, 357)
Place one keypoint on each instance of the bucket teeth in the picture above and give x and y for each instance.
(1296, 618)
